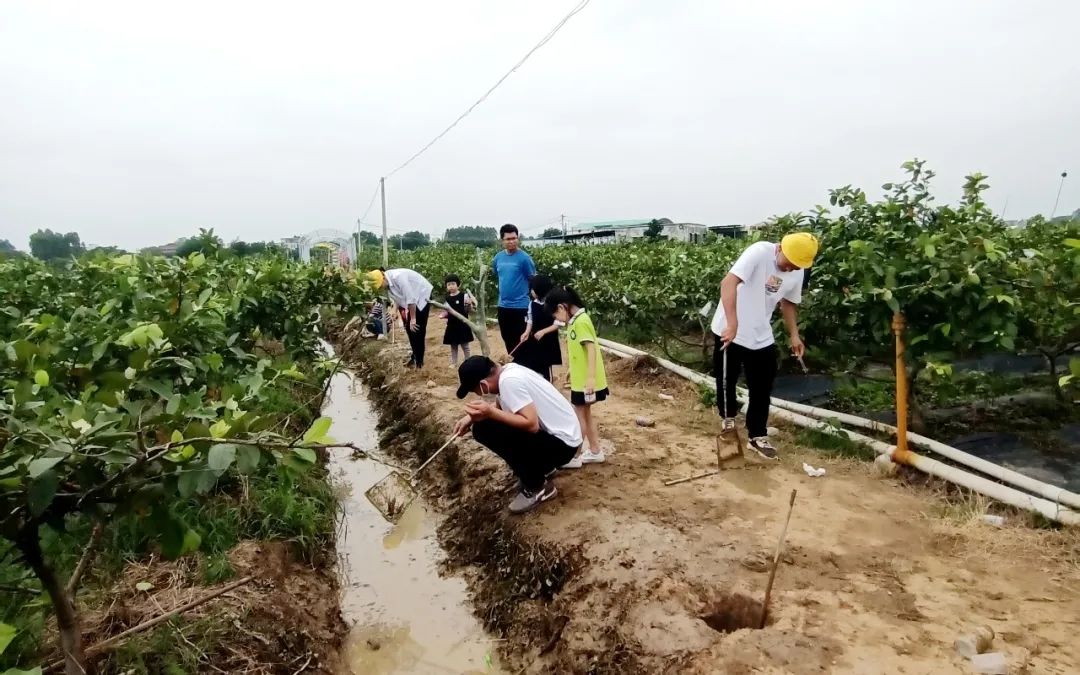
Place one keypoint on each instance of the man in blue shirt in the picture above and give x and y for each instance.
(514, 268)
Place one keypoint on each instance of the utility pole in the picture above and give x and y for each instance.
(563, 219)
(359, 243)
(385, 252)
(1056, 199)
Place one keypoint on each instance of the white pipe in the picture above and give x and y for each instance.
(1002, 493)
(1054, 493)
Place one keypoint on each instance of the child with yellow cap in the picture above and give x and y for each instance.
(765, 275)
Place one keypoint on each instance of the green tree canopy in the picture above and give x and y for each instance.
(49, 245)
(8, 250)
(655, 230)
(410, 240)
(471, 234)
(551, 232)
(206, 242)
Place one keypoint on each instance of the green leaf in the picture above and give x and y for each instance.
(144, 586)
(41, 492)
(1074, 243)
(318, 430)
(306, 454)
(176, 436)
(192, 542)
(41, 378)
(16, 671)
(930, 250)
(7, 634)
(221, 457)
(247, 458)
(219, 429)
(195, 482)
(42, 464)
(196, 260)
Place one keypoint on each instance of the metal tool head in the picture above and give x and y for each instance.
(391, 495)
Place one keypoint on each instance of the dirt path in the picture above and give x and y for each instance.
(625, 568)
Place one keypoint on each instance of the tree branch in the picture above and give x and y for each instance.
(87, 557)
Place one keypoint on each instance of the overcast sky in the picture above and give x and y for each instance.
(135, 123)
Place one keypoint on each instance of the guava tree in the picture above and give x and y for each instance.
(1049, 289)
(947, 269)
(130, 383)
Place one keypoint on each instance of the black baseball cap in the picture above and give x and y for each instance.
(471, 371)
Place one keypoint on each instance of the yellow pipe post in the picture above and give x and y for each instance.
(901, 454)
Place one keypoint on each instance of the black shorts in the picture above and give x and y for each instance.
(578, 397)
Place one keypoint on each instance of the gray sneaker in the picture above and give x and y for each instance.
(763, 447)
(728, 424)
(527, 501)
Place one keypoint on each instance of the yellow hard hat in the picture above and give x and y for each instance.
(800, 248)
(376, 277)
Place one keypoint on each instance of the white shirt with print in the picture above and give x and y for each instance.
(519, 386)
(407, 287)
(763, 285)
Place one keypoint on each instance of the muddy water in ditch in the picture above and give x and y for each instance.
(405, 618)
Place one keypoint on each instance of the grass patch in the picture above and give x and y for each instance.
(834, 446)
(177, 647)
(707, 396)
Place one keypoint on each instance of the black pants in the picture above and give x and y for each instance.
(760, 367)
(511, 326)
(531, 456)
(417, 337)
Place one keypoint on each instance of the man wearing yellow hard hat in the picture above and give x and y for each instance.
(765, 275)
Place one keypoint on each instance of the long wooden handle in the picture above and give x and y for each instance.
(776, 561)
(433, 456)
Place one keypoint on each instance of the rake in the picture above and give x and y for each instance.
(393, 494)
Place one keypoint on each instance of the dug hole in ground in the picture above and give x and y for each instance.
(620, 574)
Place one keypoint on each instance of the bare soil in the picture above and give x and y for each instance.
(622, 574)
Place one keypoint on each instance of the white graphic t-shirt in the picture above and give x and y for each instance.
(762, 287)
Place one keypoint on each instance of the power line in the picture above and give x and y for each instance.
(370, 203)
(580, 6)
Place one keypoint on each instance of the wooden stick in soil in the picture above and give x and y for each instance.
(159, 619)
(776, 561)
(690, 478)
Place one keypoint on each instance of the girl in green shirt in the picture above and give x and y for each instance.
(588, 381)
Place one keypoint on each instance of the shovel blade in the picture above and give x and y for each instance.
(391, 496)
(729, 446)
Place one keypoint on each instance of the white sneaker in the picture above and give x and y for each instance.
(587, 456)
(574, 463)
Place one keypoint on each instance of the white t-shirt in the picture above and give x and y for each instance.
(519, 386)
(762, 287)
(406, 287)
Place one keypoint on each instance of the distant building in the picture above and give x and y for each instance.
(165, 249)
(292, 243)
